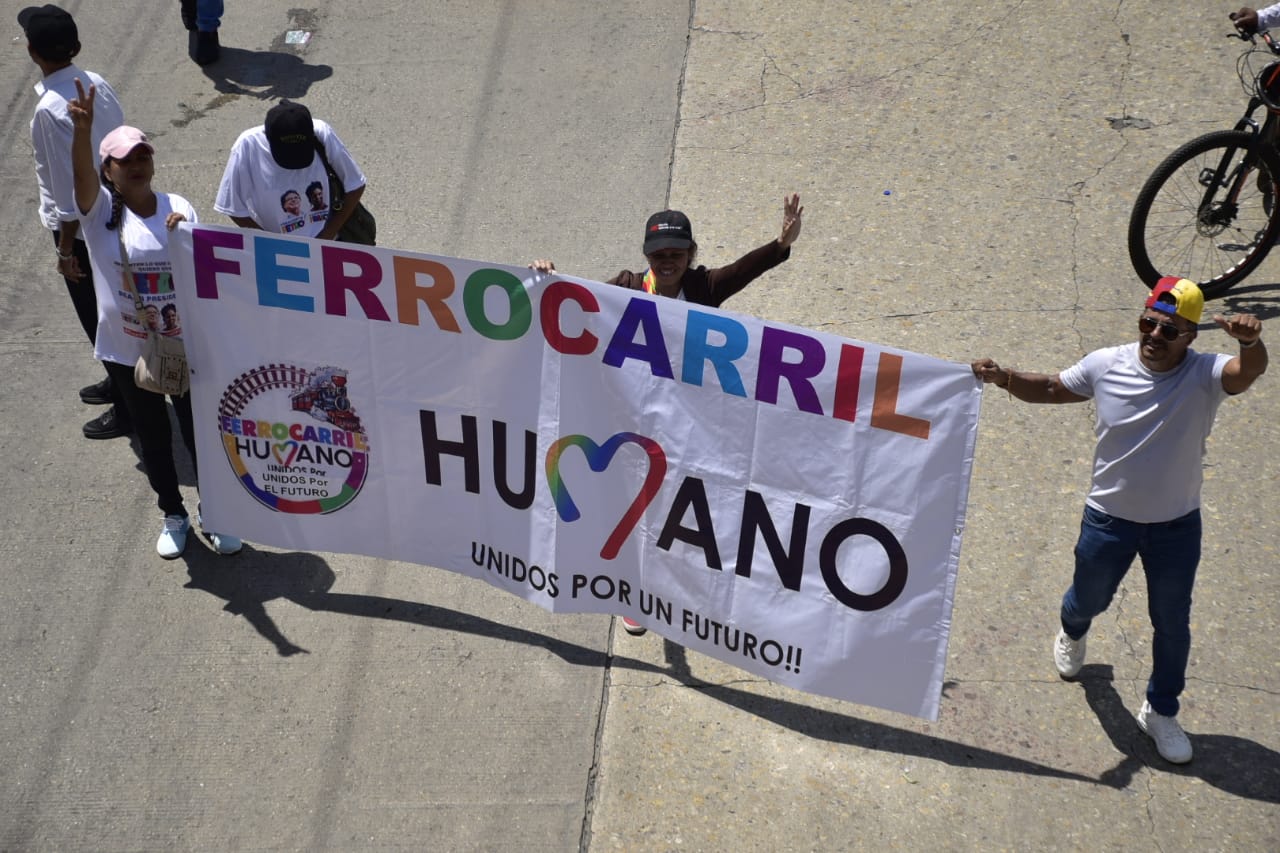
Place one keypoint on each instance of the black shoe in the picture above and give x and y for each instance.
(204, 48)
(97, 394)
(108, 425)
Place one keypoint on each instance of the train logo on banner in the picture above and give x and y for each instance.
(294, 439)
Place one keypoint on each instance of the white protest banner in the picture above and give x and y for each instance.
(787, 501)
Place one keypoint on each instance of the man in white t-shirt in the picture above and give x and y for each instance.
(1156, 401)
(53, 41)
(271, 166)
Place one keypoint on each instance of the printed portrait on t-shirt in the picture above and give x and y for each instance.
(153, 281)
(291, 204)
(169, 324)
(315, 195)
(319, 206)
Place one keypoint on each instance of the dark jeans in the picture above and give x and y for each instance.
(207, 13)
(85, 301)
(1170, 552)
(155, 436)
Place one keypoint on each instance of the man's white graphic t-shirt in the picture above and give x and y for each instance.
(284, 201)
(121, 331)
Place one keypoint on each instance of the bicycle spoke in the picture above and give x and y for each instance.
(1197, 220)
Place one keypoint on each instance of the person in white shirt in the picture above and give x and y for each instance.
(1156, 401)
(271, 166)
(53, 41)
(121, 215)
(1250, 21)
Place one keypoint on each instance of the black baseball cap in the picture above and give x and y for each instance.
(51, 32)
(291, 135)
(667, 229)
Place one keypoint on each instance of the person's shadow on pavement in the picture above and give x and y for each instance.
(248, 580)
(264, 74)
(1233, 764)
(853, 731)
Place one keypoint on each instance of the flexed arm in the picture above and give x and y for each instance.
(1251, 363)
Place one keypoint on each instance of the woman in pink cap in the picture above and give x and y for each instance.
(120, 212)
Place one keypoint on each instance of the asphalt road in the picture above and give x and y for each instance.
(967, 171)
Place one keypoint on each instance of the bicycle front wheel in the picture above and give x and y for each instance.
(1205, 214)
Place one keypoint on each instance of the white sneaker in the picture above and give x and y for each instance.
(173, 536)
(1171, 741)
(1068, 654)
(633, 627)
(223, 543)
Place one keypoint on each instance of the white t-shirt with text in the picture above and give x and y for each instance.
(120, 331)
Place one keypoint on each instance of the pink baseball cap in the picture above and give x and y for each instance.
(118, 143)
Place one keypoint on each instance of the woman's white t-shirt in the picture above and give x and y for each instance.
(120, 331)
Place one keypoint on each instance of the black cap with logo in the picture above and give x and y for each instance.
(291, 135)
(667, 229)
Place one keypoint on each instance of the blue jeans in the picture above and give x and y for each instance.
(208, 15)
(1170, 552)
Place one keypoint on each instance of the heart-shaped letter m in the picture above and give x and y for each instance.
(598, 458)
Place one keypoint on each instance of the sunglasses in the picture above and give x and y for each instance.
(1168, 331)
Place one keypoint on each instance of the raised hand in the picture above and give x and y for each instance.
(791, 213)
(1245, 328)
(80, 108)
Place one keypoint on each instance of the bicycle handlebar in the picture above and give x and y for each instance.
(1253, 37)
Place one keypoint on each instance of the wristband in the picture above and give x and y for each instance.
(1252, 343)
(63, 257)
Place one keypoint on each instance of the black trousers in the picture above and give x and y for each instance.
(151, 424)
(85, 300)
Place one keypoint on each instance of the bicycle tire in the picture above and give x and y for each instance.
(1177, 228)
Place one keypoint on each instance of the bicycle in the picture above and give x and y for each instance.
(1208, 213)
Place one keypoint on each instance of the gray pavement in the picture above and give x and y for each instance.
(279, 700)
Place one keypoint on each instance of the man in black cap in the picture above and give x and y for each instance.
(52, 43)
(281, 156)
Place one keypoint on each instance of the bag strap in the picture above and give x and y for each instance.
(127, 271)
(138, 307)
(337, 192)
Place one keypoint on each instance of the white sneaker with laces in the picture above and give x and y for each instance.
(1068, 654)
(173, 536)
(223, 543)
(1171, 741)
